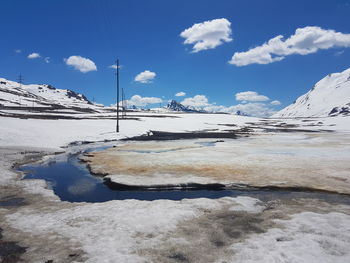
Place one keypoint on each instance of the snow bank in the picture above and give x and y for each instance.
(307, 237)
(115, 230)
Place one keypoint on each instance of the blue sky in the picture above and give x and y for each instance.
(145, 35)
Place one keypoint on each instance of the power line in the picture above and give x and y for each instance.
(20, 81)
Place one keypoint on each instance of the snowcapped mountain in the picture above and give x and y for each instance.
(176, 106)
(329, 97)
(14, 95)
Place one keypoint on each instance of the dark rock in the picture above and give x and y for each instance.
(241, 113)
(50, 87)
(176, 106)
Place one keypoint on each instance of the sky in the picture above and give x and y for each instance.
(223, 55)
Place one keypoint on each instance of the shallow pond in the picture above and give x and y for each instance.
(72, 181)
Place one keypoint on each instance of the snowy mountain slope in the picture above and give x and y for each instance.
(329, 97)
(13, 95)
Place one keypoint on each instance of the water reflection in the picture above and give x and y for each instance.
(71, 181)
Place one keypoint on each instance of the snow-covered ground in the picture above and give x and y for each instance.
(306, 237)
(57, 133)
(240, 229)
(318, 161)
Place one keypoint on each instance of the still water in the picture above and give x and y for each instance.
(72, 181)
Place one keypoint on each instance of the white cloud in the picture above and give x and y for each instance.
(47, 59)
(114, 66)
(82, 64)
(34, 55)
(305, 41)
(180, 94)
(257, 109)
(137, 100)
(339, 53)
(18, 51)
(253, 109)
(145, 76)
(217, 108)
(250, 96)
(196, 101)
(275, 102)
(208, 35)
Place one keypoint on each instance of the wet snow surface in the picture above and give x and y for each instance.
(73, 182)
(225, 226)
(317, 161)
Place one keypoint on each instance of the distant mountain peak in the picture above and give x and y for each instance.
(177, 106)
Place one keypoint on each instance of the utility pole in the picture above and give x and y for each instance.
(117, 73)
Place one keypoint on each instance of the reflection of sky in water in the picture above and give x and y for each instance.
(71, 181)
(81, 186)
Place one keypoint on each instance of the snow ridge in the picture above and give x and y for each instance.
(329, 97)
(14, 94)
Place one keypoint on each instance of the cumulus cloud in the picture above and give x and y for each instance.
(47, 59)
(257, 109)
(80, 63)
(145, 76)
(208, 35)
(137, 100)
(305, 41)
(114, 66)
(250, 96)
(275, 102)
(180, 94)
(250, 109)
(217, 108)
(196, 101)
(34, 55)
(253, 109)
